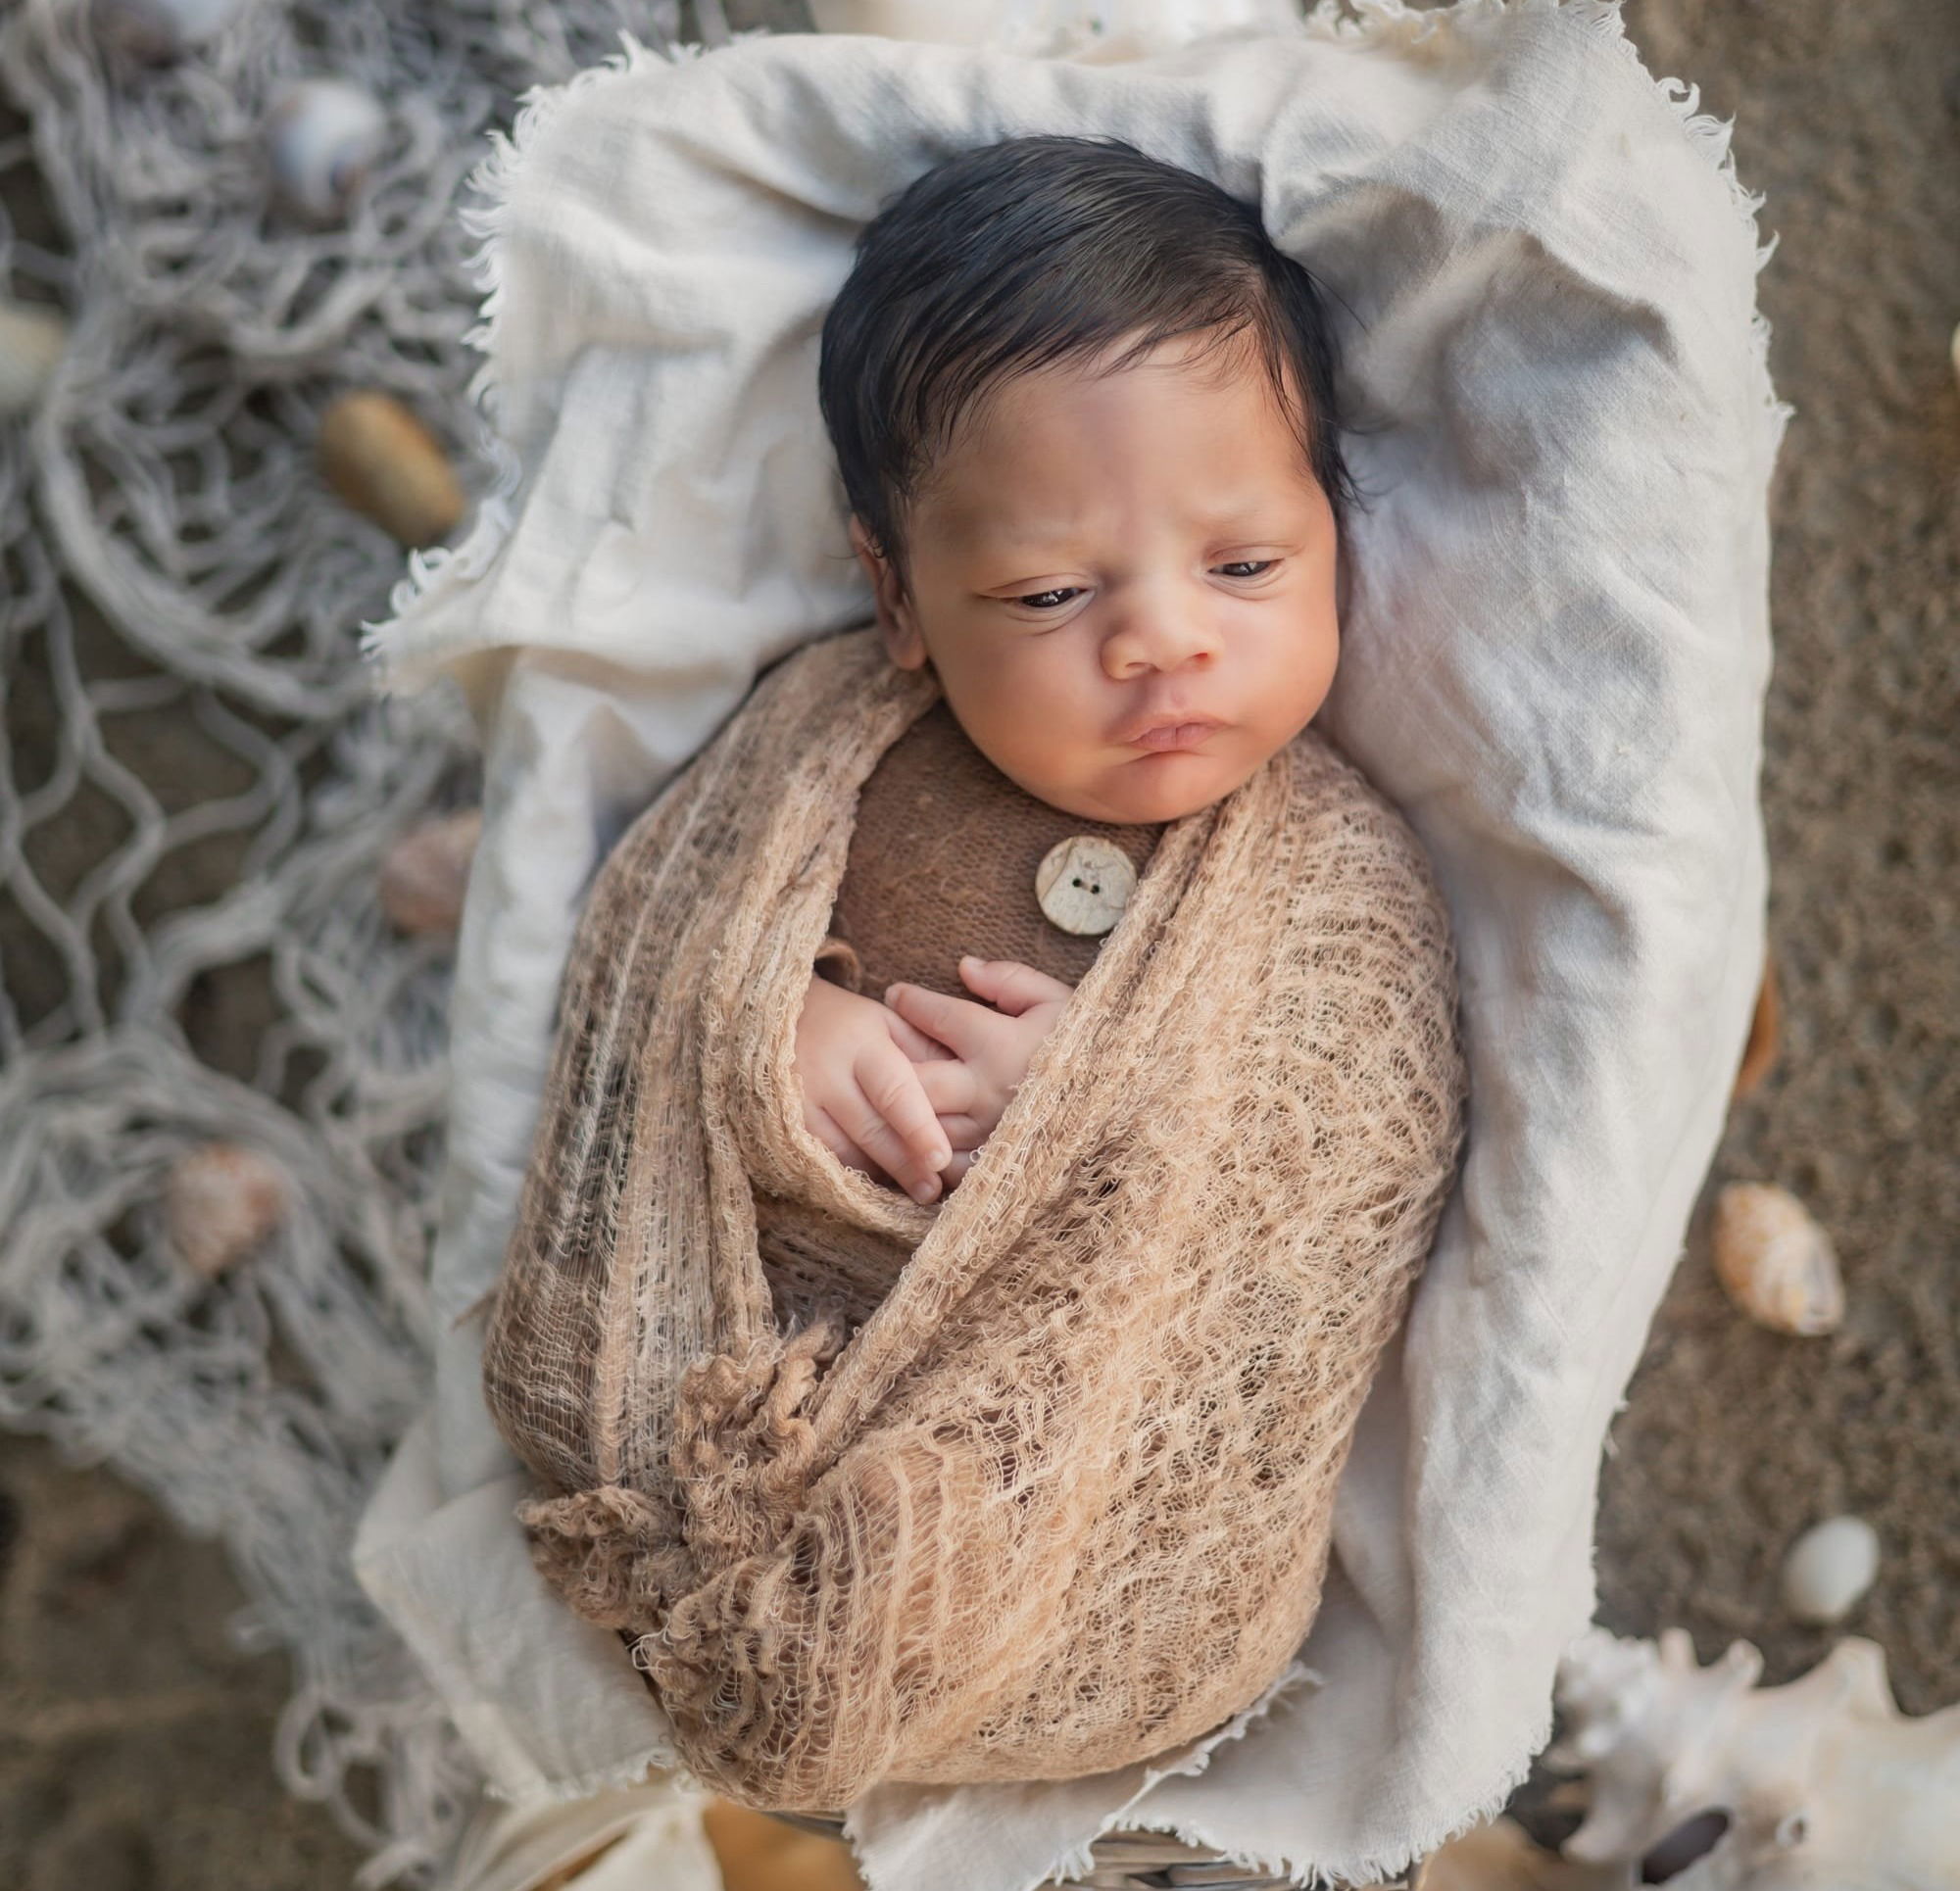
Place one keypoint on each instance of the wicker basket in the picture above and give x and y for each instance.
(1128, 1861)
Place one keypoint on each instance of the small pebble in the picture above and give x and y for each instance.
(221, 1201)
(153, 33)
(1829, 1568)
(32, 341)
(426, 872)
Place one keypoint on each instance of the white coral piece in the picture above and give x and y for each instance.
(1824, 1784)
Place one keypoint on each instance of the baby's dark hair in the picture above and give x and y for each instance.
(1040, 250)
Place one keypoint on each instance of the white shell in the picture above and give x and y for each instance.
(156, 30)
(1083, 885)
(220, 1202)
(1776, 1262)
(1829, 1567)
(32, 341)
(1823, 1784)
(427, 870)
(322, 136)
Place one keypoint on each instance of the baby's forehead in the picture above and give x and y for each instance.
(980, 523)
(1027, 474)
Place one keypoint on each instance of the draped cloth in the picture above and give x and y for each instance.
(1555, 644)
(1063, 1500)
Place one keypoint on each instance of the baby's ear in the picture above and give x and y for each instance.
(897, 619)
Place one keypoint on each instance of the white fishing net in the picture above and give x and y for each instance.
(197, 791)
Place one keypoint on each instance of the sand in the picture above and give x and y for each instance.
(136, 1739)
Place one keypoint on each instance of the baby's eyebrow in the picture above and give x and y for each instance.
(1004, 539)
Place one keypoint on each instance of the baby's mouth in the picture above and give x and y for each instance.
(1166, 738)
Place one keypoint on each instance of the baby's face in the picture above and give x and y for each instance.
(1125, 583)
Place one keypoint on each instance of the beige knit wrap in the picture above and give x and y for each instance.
(1062, 1500)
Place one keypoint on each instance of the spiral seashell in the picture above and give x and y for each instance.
(220, 1202)
(426, 872)
(1777, 1263)
(387, 465)
(323, 137)
(32, 341)
(155, 32)
(1829, 1569)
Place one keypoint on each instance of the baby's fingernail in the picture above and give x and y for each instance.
(925, 1191)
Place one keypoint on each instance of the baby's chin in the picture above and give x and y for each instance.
(1149, 790)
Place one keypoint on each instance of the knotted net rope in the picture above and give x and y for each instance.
(196, 794)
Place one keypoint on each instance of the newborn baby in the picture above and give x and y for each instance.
(1083, 408)
(1040, 901)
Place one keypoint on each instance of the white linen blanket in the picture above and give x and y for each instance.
(1554, 656)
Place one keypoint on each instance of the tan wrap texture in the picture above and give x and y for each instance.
(1062, 1500)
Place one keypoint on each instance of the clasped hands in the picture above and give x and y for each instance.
(907, 1090)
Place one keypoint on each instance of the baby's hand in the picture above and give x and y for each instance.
(866, 1095)
(991, 1043)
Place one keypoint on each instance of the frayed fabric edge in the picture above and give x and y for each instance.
(488, 189)
(1334, 1873)
(652, 1759)
(493, 182)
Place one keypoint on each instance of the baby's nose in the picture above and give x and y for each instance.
(1162, 640)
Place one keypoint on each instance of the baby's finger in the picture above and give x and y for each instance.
(823, 1126)
(1011, 986)
(950, 1086)
(958, 1023)
(901, 1130)
(913, 1041)
(965, 1133)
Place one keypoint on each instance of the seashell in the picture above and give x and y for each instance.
(1765, 1029)
(1829, 1569)
(1822, 1782)
(220, 1202)
(32, 341)
(155, 31)
(387, 465)
(323, 137)
(426, 871)
(1778, 1265)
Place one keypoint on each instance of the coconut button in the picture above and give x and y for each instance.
(1083, 885)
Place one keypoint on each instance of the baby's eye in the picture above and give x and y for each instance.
(1049, 600)
(1247, 567)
